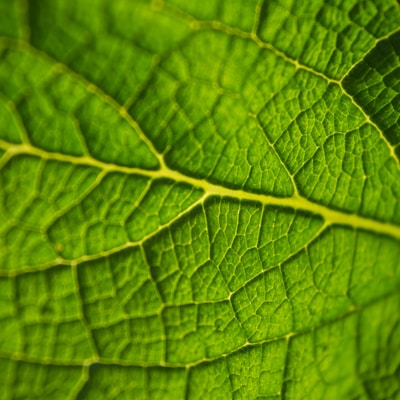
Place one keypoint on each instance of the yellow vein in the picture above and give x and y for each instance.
(330, 216)
(60, 261)
(195, 24)
(215, 25)
(60, 67)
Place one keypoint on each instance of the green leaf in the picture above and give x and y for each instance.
(200, 199)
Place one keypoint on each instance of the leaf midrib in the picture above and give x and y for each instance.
(330, 216)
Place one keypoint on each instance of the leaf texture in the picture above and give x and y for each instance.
(200, 200)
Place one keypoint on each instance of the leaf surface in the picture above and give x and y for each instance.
(200, 200)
